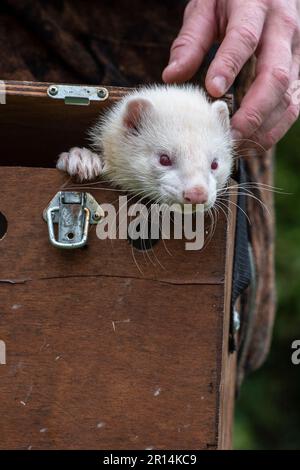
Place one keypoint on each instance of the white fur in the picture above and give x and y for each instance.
(80, 162)
(180, 122)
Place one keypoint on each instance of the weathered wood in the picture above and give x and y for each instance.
(109, 363)
(101, 353)
(27, 233)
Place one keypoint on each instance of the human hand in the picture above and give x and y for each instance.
(270, 29)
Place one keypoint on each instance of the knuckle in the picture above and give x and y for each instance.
(281, 77)
(253, 118)
(232, 59)
(270, 140)
(230, 64)
(187, 40)
(289, 21)
(286, 100)
(183, 40)
(297, 53)
(293, 113)
(191, 8)
(247, 36)
(265, 5)
(263, 139)
(198, 10)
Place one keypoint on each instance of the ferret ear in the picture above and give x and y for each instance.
(135, 109)
(222, 112)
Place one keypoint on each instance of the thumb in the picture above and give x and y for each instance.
(193, 42)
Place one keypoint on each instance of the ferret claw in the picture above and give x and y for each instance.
(81, 163)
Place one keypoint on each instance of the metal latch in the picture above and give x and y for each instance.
(77, 94)
(73, 212)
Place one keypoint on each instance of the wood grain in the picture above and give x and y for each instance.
(28, 235)
(91, 340)
(109, 364)
(107, 347)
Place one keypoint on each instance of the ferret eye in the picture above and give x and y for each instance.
(214, 164)
(165, 160)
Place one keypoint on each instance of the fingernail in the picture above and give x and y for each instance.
(236, 135)
(170, 69)
(220, 84)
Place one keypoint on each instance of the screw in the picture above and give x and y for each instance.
(53, 90)
(96, 216)
(102, 93)
(236, 320)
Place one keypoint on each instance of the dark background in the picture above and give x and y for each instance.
(268, 409)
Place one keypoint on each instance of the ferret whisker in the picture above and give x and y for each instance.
(209, 214)
(229, 201)
(213, 221)
(254, 185)
(117, 221)
(144, 252)
(228, 215)
(251, 141)
(218, 205)
(149, 236)
(250, 194)
(151, 250)
(161, 229)
(227, 207)
(159, 201)
(215, 215)
(245, 191)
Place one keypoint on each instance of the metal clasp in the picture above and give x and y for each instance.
(73, 212)
(77, 94)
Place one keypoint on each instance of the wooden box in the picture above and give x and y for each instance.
(100, 355)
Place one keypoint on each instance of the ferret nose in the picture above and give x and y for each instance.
(196, 195)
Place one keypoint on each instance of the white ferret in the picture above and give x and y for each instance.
(169, 143)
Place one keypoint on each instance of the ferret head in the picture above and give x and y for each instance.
(169, 143)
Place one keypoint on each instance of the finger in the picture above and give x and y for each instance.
(276, 119)
(295, 80)
(274, 67)
(277, 113)
(269, 139)
(241, 40)
(193, 42)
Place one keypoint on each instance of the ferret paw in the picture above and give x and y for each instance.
(81, 163)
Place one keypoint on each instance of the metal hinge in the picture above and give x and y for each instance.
(73, 212)
(77, 94)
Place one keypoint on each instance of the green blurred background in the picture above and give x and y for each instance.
(268, 409)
